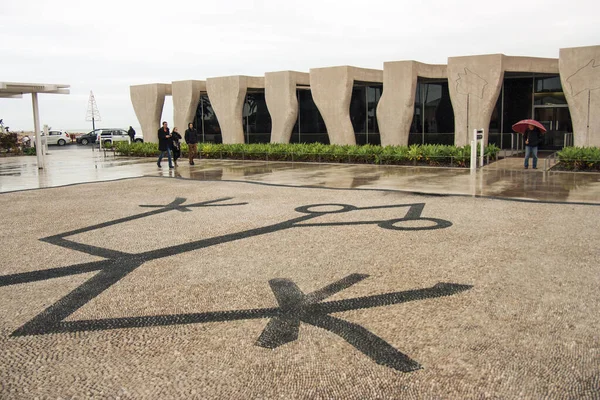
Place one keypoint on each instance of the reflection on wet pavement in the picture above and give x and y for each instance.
(78, 164)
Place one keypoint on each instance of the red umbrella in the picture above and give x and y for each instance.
(522, 126)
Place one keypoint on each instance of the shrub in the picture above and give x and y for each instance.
(579, 158)
(9, 141)
(429, 154)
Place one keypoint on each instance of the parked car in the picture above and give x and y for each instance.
(55, 137)
(108, 135)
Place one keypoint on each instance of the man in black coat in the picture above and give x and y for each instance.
(191, 138)
(131, 133)
(164, 139)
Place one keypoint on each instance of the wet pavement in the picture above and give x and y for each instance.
(505, 179)
(243, 280)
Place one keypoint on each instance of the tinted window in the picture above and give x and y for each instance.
(256, 118)
(433, 117)
(517, 101)
(206, 122)
(548, 84)
(363, 108)
(310, 127)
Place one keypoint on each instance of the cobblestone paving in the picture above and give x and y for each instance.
(155, 288)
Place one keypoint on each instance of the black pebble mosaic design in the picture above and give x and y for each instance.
(284, 321)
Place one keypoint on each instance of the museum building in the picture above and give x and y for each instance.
(406, 102)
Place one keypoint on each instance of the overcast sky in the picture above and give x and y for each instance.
(108, 45)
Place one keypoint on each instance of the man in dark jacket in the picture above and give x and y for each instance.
(131, 133)
(532, 141)
(164, 137)
(191, 138)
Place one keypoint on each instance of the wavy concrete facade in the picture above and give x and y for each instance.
(186, 95)
(474, 84)
(282, 102)
(148, 102)
(580, 75)
(332, 91)
(397, 104)
(227, 95)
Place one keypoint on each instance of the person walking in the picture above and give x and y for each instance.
(532, 141)
(131, 133)
(175, 138)
(191, 138)
(164, 137)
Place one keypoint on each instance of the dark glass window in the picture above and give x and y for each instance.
(358, 109)
(517, 101)
(548, 84)
(496, 119)
(206, 122)
(363, 112)
(256, 118)
(549, 99)
(548, 91)
(494, 135)
(310, 127)
(417, 123)
(373, 97)
(433, 118)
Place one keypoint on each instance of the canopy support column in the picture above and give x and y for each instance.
(39, 148)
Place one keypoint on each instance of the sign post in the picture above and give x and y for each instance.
(477, 137)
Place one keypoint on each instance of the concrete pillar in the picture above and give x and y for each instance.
(396, 107)
(148, 101)
(332, 91)
(186, 96)
(474, 83)
(227, 95)
(580, 76)
(282, 102)
(39, 148)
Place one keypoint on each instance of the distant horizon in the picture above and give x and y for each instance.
(137, 129)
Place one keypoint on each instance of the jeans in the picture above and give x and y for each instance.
(162, 153)
(531, 151)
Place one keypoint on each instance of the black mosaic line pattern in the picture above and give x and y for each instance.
(294, 306)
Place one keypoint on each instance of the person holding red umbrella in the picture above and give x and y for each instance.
(532, 130)
(532, 141)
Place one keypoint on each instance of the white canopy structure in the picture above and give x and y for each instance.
(14, 90)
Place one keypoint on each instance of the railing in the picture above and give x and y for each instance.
(568, 139)
(516, 138)
(550, 161)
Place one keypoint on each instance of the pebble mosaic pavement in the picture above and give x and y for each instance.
(156, 288)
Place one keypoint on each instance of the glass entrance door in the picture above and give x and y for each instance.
(557, 120)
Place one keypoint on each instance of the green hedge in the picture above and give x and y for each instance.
(579, 158)
(429, 154)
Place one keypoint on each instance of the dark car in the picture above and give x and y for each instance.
(89, 137)
(108, 134)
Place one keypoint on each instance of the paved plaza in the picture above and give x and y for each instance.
(153, 287)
